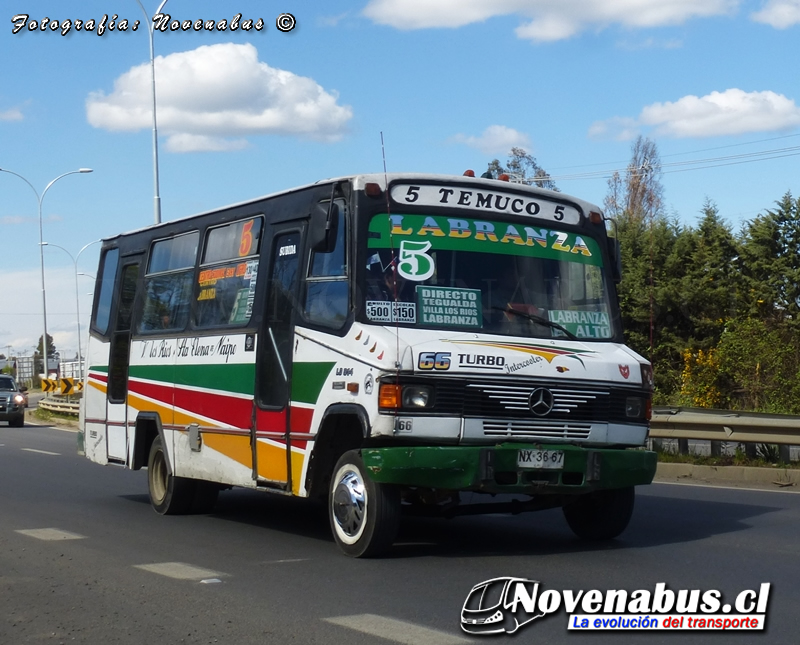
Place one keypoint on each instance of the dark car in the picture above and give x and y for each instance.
(13, 401)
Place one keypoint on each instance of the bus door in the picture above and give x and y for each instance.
(119, 361)
(270, 439)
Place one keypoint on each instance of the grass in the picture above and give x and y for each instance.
(767, 458)
(52, 417)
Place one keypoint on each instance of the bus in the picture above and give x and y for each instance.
(389, 344)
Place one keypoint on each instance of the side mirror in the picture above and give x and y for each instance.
(23, 389)
(615, 254)
(324, 226)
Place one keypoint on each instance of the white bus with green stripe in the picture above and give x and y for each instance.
(385, 343)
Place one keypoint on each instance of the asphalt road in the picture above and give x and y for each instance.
(84, 559)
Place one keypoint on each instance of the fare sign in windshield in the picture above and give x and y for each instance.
(483, 199)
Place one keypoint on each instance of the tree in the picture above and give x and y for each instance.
(51, 346)
(523, 168)
(707, 291)
(640, 194)
(527, 170)
(651, 316)
(771, 272)
(649, 240)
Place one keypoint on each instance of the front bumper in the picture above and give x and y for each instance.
(493, 469)
(12, 414)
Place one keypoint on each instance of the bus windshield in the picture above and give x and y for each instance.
(490, 276)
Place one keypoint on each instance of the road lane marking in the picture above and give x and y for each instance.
(698, 484)
(395, 630)
(42, 452)
(51, 534)
(286, 561)
(179, 571)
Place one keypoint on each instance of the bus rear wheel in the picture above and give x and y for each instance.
(601, 515)
(364, 515)
(169, 495)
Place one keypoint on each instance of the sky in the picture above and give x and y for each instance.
(449, 84)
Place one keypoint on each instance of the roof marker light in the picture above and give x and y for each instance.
(373, 190)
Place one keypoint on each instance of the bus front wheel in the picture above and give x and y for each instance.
(169, 495)
(364, 515)
(601, 515)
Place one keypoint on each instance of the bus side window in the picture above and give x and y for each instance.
(168, 283)
(327, 289)
(226, 284)
(107, 276)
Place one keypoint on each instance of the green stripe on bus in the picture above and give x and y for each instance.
(308, 379)
(227, 378)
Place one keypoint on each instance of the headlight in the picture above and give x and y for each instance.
(417, 396)
(18, 398)
(634, 407)
(408, 397)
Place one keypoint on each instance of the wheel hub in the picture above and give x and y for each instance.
(349, 502)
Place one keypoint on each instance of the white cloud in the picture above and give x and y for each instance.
(332, 21)
(496, 139)
(545, 20)
(211, 97)
(722, 113)
(186, 142)
(16, 219)
(14, 114)
(649, 43)
(780, 14)
(731, 112)
(619, 128)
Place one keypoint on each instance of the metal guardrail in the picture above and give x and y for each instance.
(60, 404)
(666, 423)
(724, 425)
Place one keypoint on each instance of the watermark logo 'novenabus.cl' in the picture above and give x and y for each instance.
(503, 605)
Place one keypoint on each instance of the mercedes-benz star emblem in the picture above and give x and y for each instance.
(541, 401)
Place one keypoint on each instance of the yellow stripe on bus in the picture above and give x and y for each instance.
(98, 386)
(146, 405)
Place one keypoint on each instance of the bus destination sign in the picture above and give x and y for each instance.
(487, 200)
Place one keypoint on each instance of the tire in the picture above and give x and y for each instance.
(601, 515)
(17, 422)
(169, 495)
(364, 515)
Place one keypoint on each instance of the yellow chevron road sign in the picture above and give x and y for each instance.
(67, 386)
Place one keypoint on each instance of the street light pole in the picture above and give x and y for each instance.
(40, 199)
(77, 298)
(150, 29)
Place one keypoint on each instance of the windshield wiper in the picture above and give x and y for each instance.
(538, 319)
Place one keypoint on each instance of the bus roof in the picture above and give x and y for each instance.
(359, 181)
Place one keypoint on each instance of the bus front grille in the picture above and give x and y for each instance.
(535, 429)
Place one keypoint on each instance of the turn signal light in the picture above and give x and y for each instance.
(389, 396)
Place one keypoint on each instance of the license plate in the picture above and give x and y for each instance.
(547, 459)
